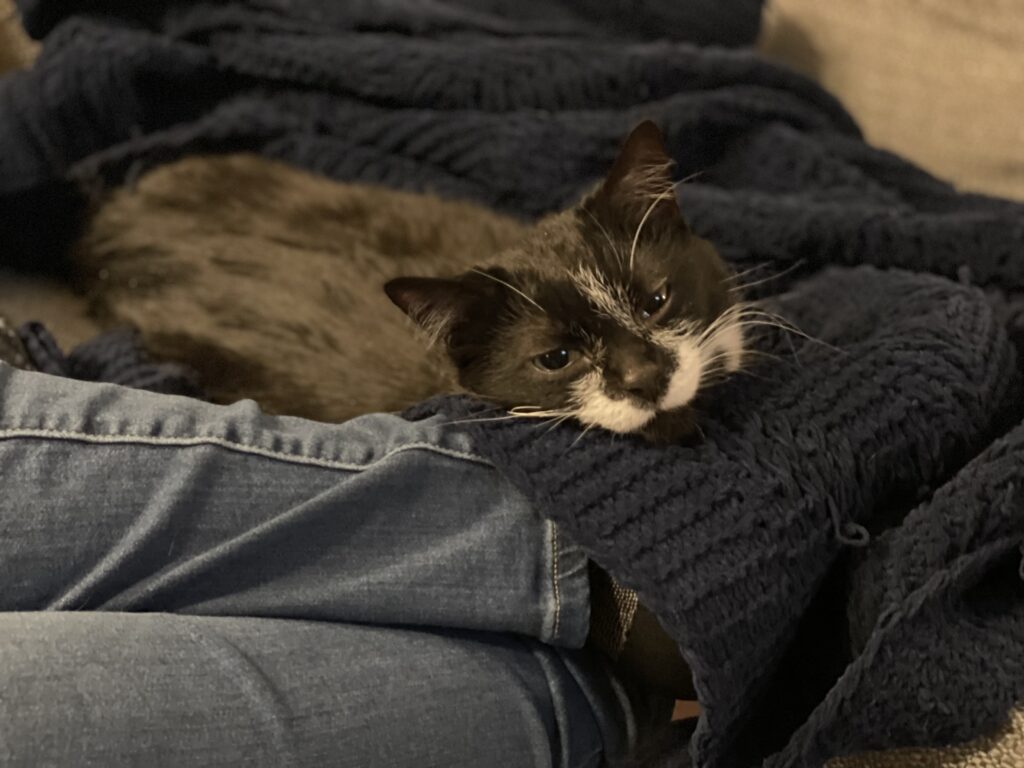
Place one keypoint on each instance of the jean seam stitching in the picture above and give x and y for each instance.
(556, 592)
(199, 441)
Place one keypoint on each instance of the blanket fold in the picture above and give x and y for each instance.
(840, 559)
(721, 22)
(116, 357)
(729, 543)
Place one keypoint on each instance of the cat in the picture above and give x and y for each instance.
(274, 284)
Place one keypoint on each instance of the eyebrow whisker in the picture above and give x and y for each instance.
(511, 287)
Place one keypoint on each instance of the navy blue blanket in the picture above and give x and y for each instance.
(840, 557)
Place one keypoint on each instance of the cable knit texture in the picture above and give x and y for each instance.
(840, 557)
(115, 357)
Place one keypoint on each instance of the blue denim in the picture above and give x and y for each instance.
(183, 583)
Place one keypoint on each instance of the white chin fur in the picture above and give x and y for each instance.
(595, 407)
(728, 343)
(724, 347)
(685, 381)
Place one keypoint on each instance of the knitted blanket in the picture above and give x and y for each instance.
(840, 558)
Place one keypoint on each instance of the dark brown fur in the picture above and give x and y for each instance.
(268, 280)
(271, 283)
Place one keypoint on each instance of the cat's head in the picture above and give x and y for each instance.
(612, 312)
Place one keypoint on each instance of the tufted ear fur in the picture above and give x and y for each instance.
(640, 180)
(435, 304)
(459, 311)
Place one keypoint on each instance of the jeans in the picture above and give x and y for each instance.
(190, 584)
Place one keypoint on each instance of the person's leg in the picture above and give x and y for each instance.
(158, 690)
(120, 500)
(117, 499)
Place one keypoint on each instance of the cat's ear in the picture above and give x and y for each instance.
(640, 180)
(435, 304)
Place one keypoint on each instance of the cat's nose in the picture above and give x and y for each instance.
(642, 379)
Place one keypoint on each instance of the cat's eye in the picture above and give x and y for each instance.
(556, 359)
(655, 302)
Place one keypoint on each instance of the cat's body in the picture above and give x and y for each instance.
(267, 280)
(271, 283)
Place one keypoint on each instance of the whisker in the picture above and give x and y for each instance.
(714, 372)
(647, 213)
(715, 358)
(511, 287)
(691, 177)
(482, 419)
(545, 416)
(710, 343)
(746, 318)
(712, 379)
(579, 437)
(754, 375)
(555, 422)
(517, 412)
(761, 353)
(534, 411)
(746, 286)
(730, 316)
(791, 331)
(744, 323)
(747, 271)
(611, 245)
(784, 324)
(751, 314)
